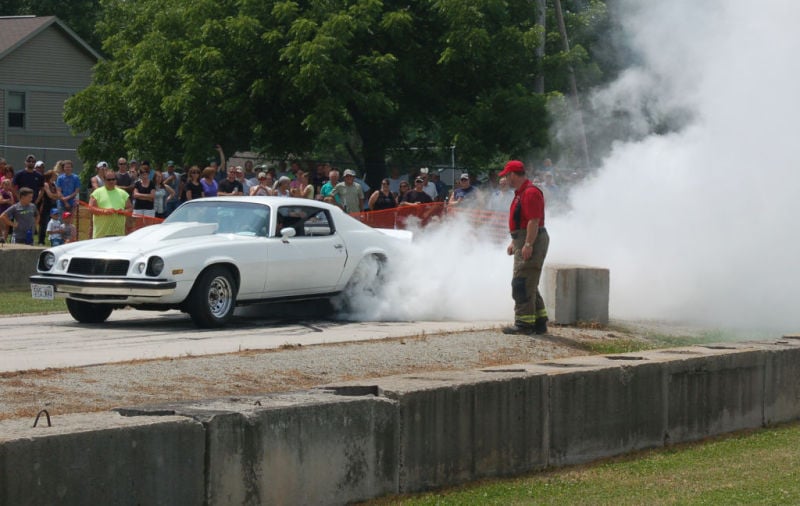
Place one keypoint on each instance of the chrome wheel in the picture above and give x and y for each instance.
(213, 298)
(220, 297)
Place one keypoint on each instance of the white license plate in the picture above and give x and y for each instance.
(42, 292)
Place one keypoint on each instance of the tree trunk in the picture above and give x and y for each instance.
(374, 155)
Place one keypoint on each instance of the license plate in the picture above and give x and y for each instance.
(42, 292)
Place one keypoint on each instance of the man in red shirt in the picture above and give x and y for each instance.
(529, 242)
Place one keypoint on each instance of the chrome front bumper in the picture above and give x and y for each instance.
(118, 287)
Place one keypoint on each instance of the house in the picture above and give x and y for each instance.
(42, 63)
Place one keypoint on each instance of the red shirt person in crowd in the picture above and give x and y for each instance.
(529, 243)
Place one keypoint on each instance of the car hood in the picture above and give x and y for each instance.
(144, 240)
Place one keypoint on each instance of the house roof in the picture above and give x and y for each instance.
(17, 30)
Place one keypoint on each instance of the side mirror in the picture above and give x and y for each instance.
(287, 232)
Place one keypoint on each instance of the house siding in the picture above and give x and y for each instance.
(48, 68)
(3, 120)
(49, 59)
(46, 113)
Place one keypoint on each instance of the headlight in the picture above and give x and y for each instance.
(46, 261)
(154, 266)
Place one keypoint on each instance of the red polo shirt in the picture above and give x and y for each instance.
(532, 201)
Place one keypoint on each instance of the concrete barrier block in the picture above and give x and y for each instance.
(602, 406)
(560, 293)
(102, 458)
(17, 264)
(459, 426)
(296, 448)
(782, 381)
(593, 285)
(719, 391)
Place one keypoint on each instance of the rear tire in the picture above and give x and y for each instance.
(88, 312)
(213, 298)
(366, 283)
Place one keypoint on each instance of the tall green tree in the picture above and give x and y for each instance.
(292, 77)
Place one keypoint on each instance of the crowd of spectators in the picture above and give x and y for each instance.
(156, 192)
(33, 196)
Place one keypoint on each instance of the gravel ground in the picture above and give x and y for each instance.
(96, 388)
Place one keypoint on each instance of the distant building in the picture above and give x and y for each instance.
(42, 63)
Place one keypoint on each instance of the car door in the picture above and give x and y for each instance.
(311, 261)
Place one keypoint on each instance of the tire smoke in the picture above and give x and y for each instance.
(696, 225)
(452, 271)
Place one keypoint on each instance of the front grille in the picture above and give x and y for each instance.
(98, 267)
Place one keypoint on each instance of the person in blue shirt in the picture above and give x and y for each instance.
(68, 186)
(465, 191)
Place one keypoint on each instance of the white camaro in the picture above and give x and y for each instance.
(213, 254)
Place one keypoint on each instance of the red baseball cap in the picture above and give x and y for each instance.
(512, 166)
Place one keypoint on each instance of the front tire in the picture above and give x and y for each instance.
(213, 298)
(88, 312)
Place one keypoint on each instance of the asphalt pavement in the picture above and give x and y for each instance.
(57, 341)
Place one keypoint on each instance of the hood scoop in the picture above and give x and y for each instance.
(166, 232)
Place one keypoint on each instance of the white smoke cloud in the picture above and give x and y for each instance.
(698, 225)
(695, 226)
(454, 270)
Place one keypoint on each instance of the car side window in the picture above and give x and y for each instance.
(255, 223)
(306, 221)
(318, 224)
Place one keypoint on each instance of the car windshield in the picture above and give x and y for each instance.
(240, 218)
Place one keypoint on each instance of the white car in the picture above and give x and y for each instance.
(213, 254)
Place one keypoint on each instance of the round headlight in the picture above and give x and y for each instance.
(47, 261)
(154, 266)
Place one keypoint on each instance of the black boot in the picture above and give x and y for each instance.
(519, 328)
(540, 326)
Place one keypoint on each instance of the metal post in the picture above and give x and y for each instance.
(453, 165)
(584, 145)
(541, 20)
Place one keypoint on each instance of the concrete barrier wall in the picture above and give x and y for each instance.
(297, 448)
(17, 263)
(457, 426)
(102, 458)
(407, 433)
(600, 408)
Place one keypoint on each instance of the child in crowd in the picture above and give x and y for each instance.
(23, 217)
(69, 233)
(55, 229)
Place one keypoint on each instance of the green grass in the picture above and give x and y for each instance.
(651, 342)
(762, 467)
(18, 301)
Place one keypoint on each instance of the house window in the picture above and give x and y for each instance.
(16, 109)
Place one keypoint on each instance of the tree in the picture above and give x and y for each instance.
(289, 77)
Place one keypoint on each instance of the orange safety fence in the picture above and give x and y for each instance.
(425, 214)
(420, 215)
(494, 223)
(400, 217)
(83, 220)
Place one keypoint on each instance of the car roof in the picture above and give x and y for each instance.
(272, 201)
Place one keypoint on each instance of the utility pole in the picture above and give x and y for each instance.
(584, 145)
